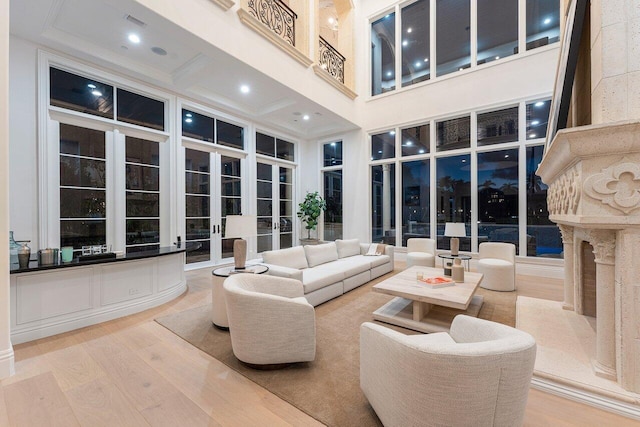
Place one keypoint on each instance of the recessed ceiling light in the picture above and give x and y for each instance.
(547, 21)
(405, 42)
(91, 86)
(535, 122)
(393, 132)
(539, 104)
(389, 73)
(331, 20)
(460, 69)
(159, 51)
(188, 115)
(533, 135)
(464, 160)
(418, 64)
(497, 57)
(333, 144)
(409, 143)
(387, 16)
(409, 30)
(426, 59)
(96, 92)
(188, 120)
(380, 152)
(244, 89)
(421, 151)
(305, 117)
(506, 156)
(134, 38)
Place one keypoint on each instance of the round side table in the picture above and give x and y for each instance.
(218, 307)
(465, 258)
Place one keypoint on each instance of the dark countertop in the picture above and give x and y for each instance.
(33, 264)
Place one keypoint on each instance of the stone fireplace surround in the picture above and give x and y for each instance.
(593, 174)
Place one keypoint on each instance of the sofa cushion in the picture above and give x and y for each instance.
(321, 254)
(349, 266)
(379, 260)
(315, 278)
(290, 257)
(348, 248)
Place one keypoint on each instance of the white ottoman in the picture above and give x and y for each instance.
(423, 259)
(499, 275)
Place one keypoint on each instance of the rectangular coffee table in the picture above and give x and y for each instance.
(423, 309)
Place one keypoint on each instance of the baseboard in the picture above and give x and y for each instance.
(588, 398)
(7, 367)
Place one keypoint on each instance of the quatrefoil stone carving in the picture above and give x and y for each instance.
(617, 186)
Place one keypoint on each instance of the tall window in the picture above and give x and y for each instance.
(383, 145)
(497, 127)
(498, 196)
(453, 36)
(415, 140)
(142, 194)
(453, 195)
(497, 29)
(83, 205)
(538, 119)
(415, 43)
(543, 236)
(332, 180)
(453, 134)
(497, 25)
(383, 216)
(543, 22)
(416, 191)
(383, 58)
(197, 213)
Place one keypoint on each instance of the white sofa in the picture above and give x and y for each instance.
(330, 269)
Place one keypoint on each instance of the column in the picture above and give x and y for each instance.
(6, 349)
(569, 262)
(386, 198)
(604, 250)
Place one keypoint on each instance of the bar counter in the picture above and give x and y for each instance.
(51, 299)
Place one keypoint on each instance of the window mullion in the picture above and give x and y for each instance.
(116, 189)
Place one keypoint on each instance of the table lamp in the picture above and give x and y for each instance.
(455, 230)
(239, 227)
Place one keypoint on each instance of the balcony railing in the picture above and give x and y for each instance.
(277, 16)
(331, 60)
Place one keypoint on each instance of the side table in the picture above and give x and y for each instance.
(218, 307)
(465, 258)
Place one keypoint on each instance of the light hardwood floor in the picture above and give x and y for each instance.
(134, 372)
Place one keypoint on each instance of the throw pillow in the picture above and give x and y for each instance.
(347, 248)
(376, 249)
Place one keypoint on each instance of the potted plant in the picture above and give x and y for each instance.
(310, 210)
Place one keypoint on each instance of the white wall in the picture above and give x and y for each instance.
(23, 156)
(6, 349)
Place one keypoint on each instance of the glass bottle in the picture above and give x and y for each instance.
(13, 249)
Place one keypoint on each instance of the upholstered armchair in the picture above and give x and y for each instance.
(421, 252)
(497, 261)
(270, 321)
(478, 374)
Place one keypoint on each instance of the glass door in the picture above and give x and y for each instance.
(274, 207)
(213, 190)
(264, 201)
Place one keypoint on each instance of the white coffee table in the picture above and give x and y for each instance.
(424, 309)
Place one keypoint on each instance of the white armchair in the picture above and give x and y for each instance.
(270, 321)
(497, 261)
(478, 374)
(421, 252)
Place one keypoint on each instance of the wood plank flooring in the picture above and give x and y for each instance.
(134, 372)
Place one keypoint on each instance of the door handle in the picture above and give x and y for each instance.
(218, 228)
(274, 226)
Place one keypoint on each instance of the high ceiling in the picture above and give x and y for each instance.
(96, 31)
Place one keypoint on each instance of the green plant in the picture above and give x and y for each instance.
(310, 210)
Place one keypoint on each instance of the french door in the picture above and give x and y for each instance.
(213, 190)
(274, 200)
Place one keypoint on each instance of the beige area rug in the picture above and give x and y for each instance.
(566, 345)
(327, 389)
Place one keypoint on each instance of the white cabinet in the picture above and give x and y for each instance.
(50, 302)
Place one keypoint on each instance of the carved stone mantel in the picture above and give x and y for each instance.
(593, 174)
